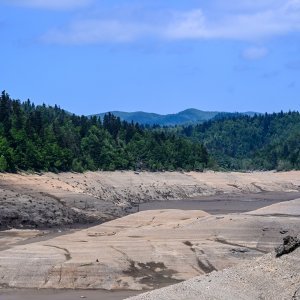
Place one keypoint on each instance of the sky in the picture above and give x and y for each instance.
(92, 56)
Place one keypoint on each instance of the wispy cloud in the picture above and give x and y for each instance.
(96, 31)
(191, 24)
(265, 21)
(50, 4)
(246, 5)
(260, 24)
(254, 53)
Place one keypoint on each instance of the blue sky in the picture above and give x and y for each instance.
(92, 56)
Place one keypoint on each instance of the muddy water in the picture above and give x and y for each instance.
(225, 203)
(63, 295)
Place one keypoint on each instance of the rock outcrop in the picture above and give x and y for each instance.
(290, 244)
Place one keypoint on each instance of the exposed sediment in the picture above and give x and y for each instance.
(144, 251)
(53, 200)
(267, 278)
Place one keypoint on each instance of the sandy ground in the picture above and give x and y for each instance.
(215, 204)
(11, 237)
(58, 200)
(154, 248)
(146, 250)
(292, 209)
(267, 278)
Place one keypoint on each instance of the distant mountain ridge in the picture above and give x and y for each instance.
(188, 116)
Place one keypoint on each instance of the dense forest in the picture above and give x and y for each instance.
(44, 138)
(237, 142)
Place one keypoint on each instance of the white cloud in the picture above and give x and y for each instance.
(254, 53)
(190, 24)
(248, 5)
(264, 22)
(96, 31)
(242, 26)
(51, 4)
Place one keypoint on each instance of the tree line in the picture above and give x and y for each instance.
(45, 138)
(261, 142)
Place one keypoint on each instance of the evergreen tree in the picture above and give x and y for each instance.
(43, 138)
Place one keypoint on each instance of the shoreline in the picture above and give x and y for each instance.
(66, 199)
(221, 204)
(66, 294)
(77, 197)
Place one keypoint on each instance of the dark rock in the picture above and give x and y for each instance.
(290, 244)
(239, 250)
(296, 296)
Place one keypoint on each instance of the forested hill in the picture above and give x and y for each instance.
(185, 117)
(44, 138)
(270, 141)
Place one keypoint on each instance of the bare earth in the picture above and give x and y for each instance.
(266, 278)
(145, 250)
(51, 200)
(29, 294)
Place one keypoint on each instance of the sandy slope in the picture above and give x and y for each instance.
(144, 250)
(267, 278)
(291, 208)
(49, 200)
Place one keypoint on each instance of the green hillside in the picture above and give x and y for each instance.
(188, 116)
(184, 117)
(262, 142)
(43, 138)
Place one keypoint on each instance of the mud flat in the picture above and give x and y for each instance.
(146, 250)
(227, 203)
(20, 294)
(55, 200)
(142, 251)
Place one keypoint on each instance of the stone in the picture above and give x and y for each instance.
(290, 244)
